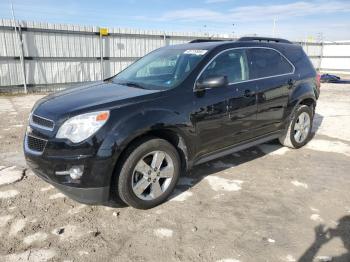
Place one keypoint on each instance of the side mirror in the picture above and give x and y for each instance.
(212, 82)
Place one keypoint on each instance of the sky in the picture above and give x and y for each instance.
(296, 20)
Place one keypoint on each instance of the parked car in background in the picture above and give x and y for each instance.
(327, 78)
(131, 136)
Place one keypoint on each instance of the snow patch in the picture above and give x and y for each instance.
(316, 217)
(56, 196)
(4, 220)
(329, 146)
(37, 237)
(223, 184)
(10, 175)
(333, 119)
(8, 193)
(43, 189)
(181, 196)
(218, 196)
(17, 226)
(83, 252)
(314, 209)
(299, 184)
(324, 258)
(270, 149)
(290, 258)
(163, 232)
(270, 240)
(38, 255)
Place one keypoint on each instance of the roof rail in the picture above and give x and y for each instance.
(263, 39)
(202, 40)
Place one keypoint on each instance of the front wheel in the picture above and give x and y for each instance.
(299, 129)
(149, 173)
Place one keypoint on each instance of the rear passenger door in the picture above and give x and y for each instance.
(272, 75)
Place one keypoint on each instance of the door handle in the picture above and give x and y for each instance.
(248, 93)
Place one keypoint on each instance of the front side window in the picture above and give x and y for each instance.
(162, 69)
(265, 62)
(231, 63)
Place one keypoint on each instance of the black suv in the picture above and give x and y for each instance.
(131, 136)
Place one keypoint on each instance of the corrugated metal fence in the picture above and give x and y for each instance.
(56, 54)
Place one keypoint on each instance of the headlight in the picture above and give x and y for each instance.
(81, 127)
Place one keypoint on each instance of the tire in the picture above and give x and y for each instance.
(139, 184)
(290, 137)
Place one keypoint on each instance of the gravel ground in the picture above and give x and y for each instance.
(267, 203)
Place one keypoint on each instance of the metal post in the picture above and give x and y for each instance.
(321, 56)
(164, 38)
(101, 52)
(20, 38)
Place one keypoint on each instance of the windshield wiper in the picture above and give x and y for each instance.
(132, 84)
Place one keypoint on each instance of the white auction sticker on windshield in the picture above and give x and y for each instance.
(195, 52)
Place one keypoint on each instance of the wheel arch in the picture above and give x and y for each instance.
(172, 136)
(303, 94)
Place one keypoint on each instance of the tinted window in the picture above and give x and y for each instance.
(232, 63)
(267, 62)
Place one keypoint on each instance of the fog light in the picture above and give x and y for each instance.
(75, 172)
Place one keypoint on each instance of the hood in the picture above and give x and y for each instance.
(88, 97)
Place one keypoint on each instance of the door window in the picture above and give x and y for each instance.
(232, 63)
(265, 62)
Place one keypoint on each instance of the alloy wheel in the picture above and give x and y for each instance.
(302, 127)
(152, 175)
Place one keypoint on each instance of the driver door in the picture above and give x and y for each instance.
(226, 115)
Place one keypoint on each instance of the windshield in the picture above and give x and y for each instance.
(162, 69)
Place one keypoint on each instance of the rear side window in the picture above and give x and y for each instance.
(265, 62)
(231, 63)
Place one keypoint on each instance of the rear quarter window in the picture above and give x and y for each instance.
(265, 62)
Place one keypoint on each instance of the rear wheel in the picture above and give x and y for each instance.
(299, 129)
(149, 173)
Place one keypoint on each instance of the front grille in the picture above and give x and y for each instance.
(36, 144)
(42, 122)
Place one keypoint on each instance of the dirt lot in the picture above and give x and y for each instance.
(267, 203)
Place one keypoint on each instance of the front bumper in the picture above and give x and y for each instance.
(90, 196)
(93, 187)
(86, 195)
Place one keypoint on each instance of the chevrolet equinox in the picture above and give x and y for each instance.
(128, 138)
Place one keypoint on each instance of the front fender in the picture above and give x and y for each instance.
(141, 122)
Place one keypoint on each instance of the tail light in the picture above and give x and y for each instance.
(318, 80)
